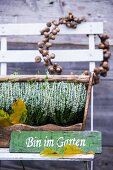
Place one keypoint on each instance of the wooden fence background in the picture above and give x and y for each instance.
(33, 11)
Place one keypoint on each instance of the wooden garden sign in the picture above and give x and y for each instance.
(36, 142)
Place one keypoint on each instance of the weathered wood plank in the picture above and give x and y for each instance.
(47, 11)
(102, 161)
(55, 9)
(5, 132)
(6, 155)
(35, 142)
(103, 111)
(50, 78)
(61, 55)
(34, 29)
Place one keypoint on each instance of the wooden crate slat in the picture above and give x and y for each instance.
(34, 29)
(50, 78)
(61, 55)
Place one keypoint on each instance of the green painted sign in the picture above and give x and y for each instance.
(36, 141)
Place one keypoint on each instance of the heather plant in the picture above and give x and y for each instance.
(61, 103)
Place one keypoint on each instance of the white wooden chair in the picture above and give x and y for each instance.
(90, 55)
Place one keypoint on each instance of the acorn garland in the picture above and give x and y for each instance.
(104, 66)
(50, 32)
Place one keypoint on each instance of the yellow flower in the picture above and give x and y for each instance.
(19, 114)
(4, 118)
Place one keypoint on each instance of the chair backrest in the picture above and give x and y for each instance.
(9, 56)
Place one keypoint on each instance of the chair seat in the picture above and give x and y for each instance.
(6, 155)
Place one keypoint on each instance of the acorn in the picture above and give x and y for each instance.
(64, 22)
(71, 24)
(104, 74)
(96, 78)
(40, 44)
(107, 68)
(45, 59)
(105, 65)
(70, 13)
(52, 55)
(45, 52)
(52, 37)
(75, 26)
(48, 24)
(37, 59)
(101, 69)
(46, 34)
(51, 69)
(54, 32)
(68, 24)
(86, 72)
(57, 29)
(46, 29)
(61, 21)
(107, 55)
(55, 23)
(42, 31)
(105, 50)
(75, 19)
(101, 46)
(55, 65)
(48, 44)
(61, 18)
(96, 70)
(58, 69)
(103, 37)
(106, 43)
(78, 20)
(40, 50)
(70, 16)
(45, 40)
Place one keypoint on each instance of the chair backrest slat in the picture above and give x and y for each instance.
(11, 56)
(34, 29)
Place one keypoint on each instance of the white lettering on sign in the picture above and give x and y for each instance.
(60, 142)
(33, 142)
(78, 142)
(48, 142)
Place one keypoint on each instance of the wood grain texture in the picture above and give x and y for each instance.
(42, 78)
(61, 55)
(5, 155)
(33, 68)
(55, 9)
(102, 161)
(34, 29)
(5, 132)
(22, 12)
(36, 142)
(87, 102)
